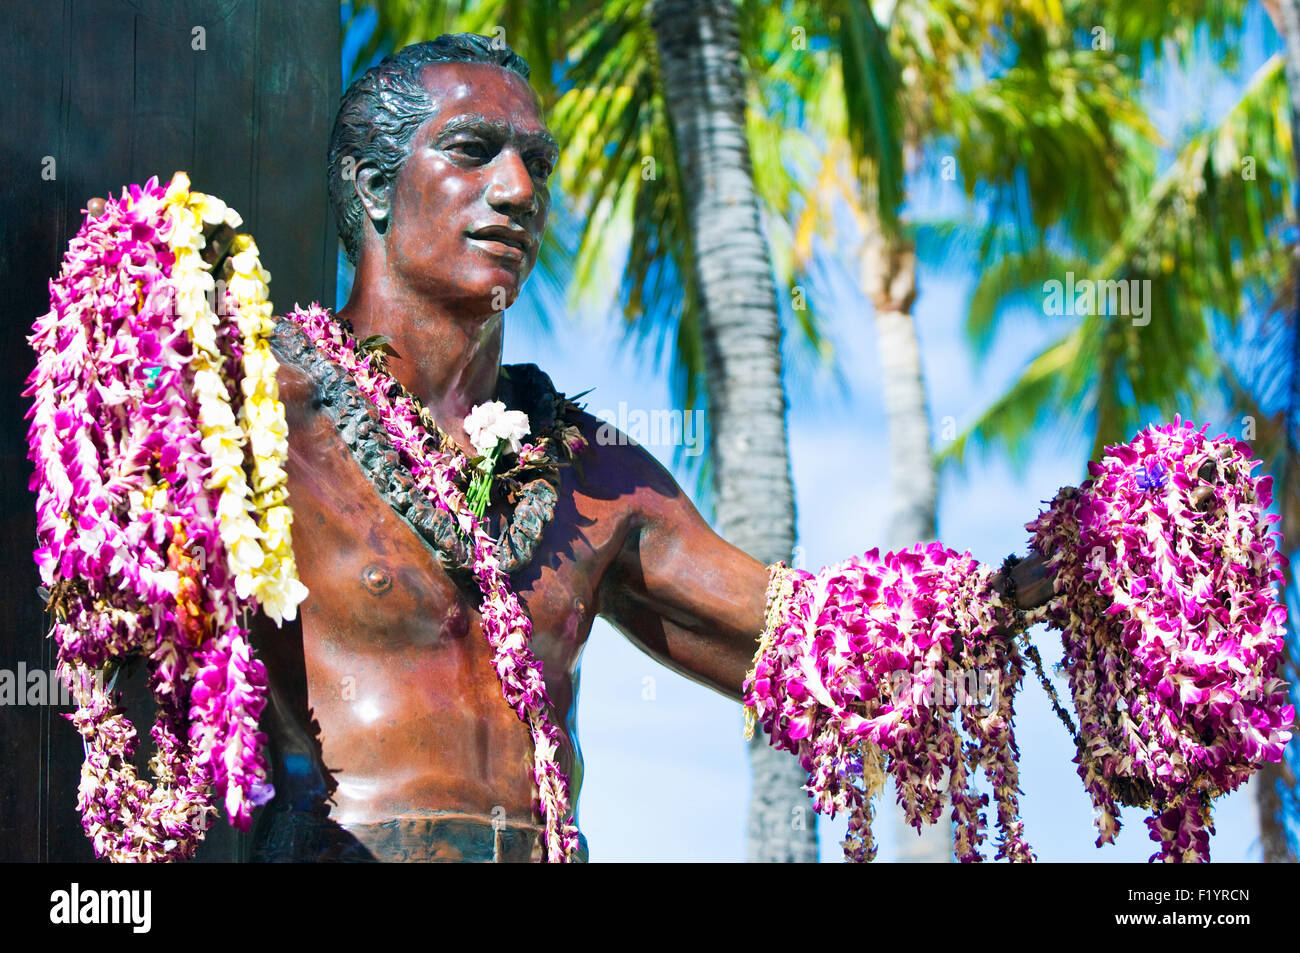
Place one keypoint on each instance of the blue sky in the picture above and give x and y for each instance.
(666, 770)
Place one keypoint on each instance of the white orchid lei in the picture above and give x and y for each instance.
(159, 447)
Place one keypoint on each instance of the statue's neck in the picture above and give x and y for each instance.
(449, 360)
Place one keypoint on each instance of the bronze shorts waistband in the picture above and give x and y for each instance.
(304, 837)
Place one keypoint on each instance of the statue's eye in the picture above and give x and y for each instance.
(470, 148)
(541, 167)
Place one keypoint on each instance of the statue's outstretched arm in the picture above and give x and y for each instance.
(676, 589)
(693, 601)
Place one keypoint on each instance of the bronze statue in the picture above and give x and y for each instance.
(389, 737)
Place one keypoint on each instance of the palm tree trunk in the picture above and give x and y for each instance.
(888, 276)
(699, 51)
(1275, 848)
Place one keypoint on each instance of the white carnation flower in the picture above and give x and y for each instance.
(490, 422)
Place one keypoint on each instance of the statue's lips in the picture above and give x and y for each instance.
(513, 247)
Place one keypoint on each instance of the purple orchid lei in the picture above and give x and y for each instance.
(1171, 626)
(866, 670)
(506, 626)
(151, 541)
(1164, 570)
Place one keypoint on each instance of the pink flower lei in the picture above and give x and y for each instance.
(903, 664)
(136, 526)
(158, 443)
(505, 624)
(1164, 570)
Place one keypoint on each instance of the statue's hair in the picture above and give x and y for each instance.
(381, 111)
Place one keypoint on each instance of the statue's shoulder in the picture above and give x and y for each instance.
(294, 352)
(527, 375)
(528, 388)
(610, 465)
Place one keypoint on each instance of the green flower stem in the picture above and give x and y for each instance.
(480, 490)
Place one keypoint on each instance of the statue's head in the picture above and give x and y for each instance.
(439, 162)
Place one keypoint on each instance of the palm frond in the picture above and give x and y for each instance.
(1016, 277)
(873, 109)
(1027, 404)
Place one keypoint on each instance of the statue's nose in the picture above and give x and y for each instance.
(512, 191)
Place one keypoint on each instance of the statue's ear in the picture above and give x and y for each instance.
(376, 192)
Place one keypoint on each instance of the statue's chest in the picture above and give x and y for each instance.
(377, 585)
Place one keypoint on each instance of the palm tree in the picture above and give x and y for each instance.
(1204, 235)
(701, 69)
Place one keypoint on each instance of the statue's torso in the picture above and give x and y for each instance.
(393, 665)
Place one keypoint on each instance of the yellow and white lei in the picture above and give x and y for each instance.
(254, 520)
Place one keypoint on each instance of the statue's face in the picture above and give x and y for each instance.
(470, 203)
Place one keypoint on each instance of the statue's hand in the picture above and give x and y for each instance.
(1032, 577)
(1033, 581)
(218, 237)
